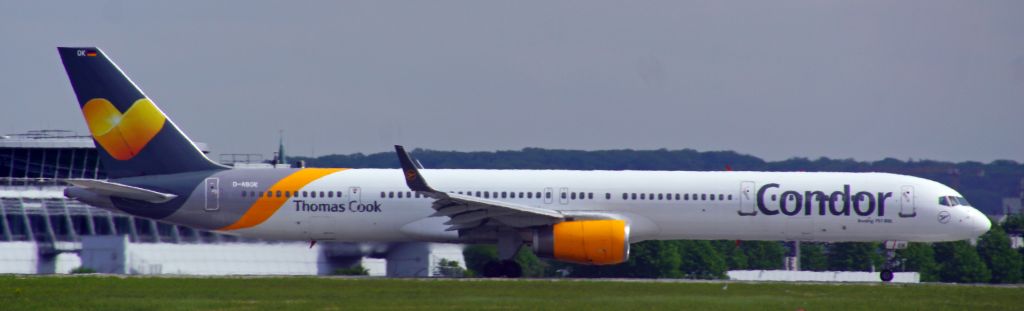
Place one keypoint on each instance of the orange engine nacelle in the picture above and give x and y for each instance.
(591, 242)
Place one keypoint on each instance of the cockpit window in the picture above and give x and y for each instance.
(962, 201)
(953, 201)
(944, 201)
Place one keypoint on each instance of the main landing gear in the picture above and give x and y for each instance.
(505, 268)
(509, 243)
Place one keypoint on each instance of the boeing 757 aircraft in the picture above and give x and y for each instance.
(587, 217)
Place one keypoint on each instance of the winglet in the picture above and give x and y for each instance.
(412, 174)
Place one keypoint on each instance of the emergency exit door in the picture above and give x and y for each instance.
(212, 193)
(747, 199)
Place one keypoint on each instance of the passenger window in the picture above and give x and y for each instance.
(633, 195)
(383, 195)
(650, 196)
(730, 197)
(287, 194)
(686, 197)
(573, 195)
(661, 196)
(625, 196)
(704, 196)
(712, 197)
(607, 195)
(529, 195)
(721, 197)
(390, 194)
(563, 195)
(677, 197)
(243, 193)
(338, 193)
(521, 195)
(643, 196)
(504, 194)
(277, 193)
(330, 194)
(295, 193)
(321, 194)
(259, 194)
(547, 195)
(487, 195)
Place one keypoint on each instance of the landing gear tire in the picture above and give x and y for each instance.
(493, 269)
(886, 275)
(504, 268)
(511, 269)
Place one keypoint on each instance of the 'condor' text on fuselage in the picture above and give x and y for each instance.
(837, 203)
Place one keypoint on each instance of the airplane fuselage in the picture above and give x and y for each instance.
(376, 205)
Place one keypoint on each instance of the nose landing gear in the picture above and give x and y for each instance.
(890, 254)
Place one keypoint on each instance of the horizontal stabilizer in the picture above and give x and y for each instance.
(121, 190)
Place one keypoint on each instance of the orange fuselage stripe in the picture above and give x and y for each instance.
(266, 206)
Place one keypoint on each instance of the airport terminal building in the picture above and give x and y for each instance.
(42, 231)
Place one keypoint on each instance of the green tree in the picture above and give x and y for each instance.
(812, 257)
(478, 255)
(531, 264)
(1003, 261)
(1014, 223)
(854, 256)
(763, 255)
(653, 259)
(920, 257)
(959, 262)
(700, 260)
(735, 259)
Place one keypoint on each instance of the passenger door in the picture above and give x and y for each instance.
(907, 206)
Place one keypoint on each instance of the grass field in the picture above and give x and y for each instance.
(316, 293)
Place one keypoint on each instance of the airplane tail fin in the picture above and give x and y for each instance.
(133, 137)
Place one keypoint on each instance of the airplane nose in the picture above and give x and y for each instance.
(981, 224)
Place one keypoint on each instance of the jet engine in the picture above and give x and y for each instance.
(590, 242)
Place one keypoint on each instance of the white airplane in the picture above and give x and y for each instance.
(588, 217)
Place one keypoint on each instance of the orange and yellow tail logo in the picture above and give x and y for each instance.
(123, 135)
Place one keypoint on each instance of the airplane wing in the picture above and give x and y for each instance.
(469, 212)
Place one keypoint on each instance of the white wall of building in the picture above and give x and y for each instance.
(18, 257)
(818, 276)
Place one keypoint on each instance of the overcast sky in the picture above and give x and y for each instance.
(776, 79)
